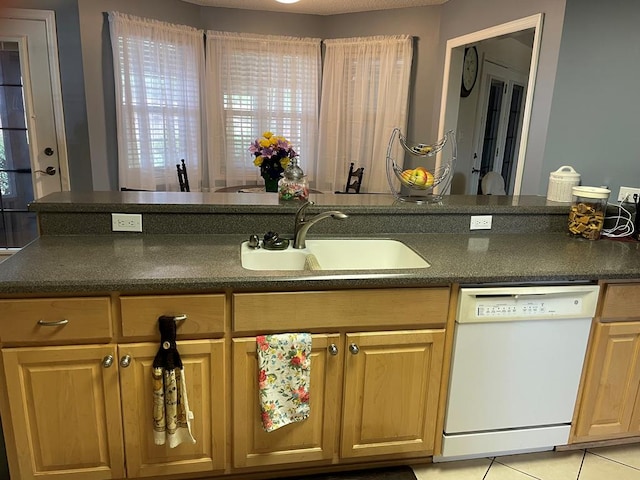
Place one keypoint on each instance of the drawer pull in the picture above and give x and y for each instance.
(353, 348)
(55, 323)
(125, 361)
(333, 349)
(107, 361)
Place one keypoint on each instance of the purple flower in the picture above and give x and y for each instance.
(273, 152)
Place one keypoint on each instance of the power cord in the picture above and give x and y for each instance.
(624, 223)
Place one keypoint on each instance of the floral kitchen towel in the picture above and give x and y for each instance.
(284, 363)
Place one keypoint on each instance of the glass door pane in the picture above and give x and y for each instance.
(513, 135)
(17, 224)
(492, 128)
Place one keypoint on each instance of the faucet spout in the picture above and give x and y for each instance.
(302, 225)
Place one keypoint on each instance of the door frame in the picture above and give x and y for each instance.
(48, 17)
(450, 101)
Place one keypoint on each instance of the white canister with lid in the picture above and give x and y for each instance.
(561, 182)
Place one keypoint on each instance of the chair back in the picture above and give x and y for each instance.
(354, 184)
(492, 184)
(183, 179)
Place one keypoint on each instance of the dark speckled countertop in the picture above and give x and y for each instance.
(202, 262)
(192, 243)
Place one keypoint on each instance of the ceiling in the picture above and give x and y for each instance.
(317, 7)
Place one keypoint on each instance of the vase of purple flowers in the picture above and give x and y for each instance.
(272, 155)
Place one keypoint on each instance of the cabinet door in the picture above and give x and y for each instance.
(204, 365)
(611, 382)
(391, 388)
(634, 428)
(313, 439)
(65, 412)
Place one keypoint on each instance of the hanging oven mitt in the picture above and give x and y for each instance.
(171, 414)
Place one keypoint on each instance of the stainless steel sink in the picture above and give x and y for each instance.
(335, 254)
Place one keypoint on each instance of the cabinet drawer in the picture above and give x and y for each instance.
(340, 308)
(206, 314)
(621, 301)
(55, 320)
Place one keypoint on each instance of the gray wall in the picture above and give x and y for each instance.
(585, 106)
(593, 124)
(460, 17)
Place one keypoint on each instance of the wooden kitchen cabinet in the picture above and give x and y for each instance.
(313, 439)
(389, 378)
(55, 321)
(609, 405)
(204, 365)
(65, 411)
(391, 391)
(389, 407)
(67, 415)
(78, 400)
(85, 411)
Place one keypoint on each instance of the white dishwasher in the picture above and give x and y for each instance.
(518, 353)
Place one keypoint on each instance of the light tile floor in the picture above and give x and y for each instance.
(604, 463)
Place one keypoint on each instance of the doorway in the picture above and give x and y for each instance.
(33, 158)
(451, 106)
(498, 126)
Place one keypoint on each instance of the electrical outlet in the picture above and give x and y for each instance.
(480, 222)
(126, 222)
(626, 194)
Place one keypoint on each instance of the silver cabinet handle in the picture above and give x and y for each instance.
(55, 323)
(125, 361)
(353, 348)
(107, 361)
(333, 349)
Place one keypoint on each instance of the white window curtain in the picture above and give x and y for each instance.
(261, 83)
(158, 69)
(365, 91)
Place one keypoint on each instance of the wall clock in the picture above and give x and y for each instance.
(469, 71)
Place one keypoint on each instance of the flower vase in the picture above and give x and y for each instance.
(271, 184)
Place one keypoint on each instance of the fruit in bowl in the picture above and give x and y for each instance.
(418, 177)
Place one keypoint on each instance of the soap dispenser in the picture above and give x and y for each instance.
(293, 185)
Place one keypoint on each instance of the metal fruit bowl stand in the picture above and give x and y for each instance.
(434, 188)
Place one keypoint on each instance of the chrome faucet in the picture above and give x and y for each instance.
(303, 225)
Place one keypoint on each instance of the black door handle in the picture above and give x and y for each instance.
(48, 171)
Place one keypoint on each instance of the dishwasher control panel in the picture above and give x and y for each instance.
(526, 303)
(524, 307)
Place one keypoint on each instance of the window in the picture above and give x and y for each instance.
(259, 83)
(252, 84)
(365, 92)
(158, 74)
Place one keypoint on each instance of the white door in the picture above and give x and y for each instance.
(33, 157)
(501, 108)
